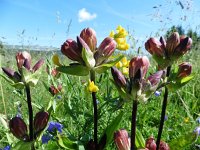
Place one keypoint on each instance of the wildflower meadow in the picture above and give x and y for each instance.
(93, 95)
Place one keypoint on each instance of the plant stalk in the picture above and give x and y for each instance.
(133, 124)
(95, 111)
(164, 107)
(30, 111)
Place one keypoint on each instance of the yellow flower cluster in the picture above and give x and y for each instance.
(123, 65)
(92, 87)
(120, 38)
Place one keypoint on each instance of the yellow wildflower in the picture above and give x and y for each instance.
(120, 38)
(186, 120)
(125, 62)
(119, 64)
(112, 33)
(92, 87)
(56, 60)
(125, 70)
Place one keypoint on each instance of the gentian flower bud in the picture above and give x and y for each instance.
(105, 50)
(40, 121)
(38, 65)
(118, 77)
(172, 42)
(15, 76)
(163, 146)
(71, 50)
(150, 143)
(121, 139)
(89, 36)
(137, 63)
(18, 128)
(155, 78)
(155, 47)
(184, 70)
(163, 42)
(23, 59)
(183, 47)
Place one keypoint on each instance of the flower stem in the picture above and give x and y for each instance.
(92, 78)
(164, 107)
(30, 111)
(133, 124)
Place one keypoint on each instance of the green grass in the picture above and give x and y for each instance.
(75, 109)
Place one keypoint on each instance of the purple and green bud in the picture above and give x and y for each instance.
(105, 50)
(38, 65)
(23, 59)
(150, 143)
(163, 146)
(137, 63)
(184, 46)
(118, 77)
(71, 50)
(89, 36)
(18, 128)
(184, 70)
(172, 42)
(122, 140)
(13, 75)
(40, 121)
(155, 47)
(154, 79)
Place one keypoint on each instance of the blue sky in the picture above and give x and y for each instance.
(51, 22)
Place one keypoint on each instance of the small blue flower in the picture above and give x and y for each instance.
(197, 131)
(157, 93)
(198, 120)
(55, 125)
(46, 138)
(7, 147)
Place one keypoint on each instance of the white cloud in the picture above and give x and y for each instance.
(84, 15)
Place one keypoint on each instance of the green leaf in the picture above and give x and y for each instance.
(186, 79)
(88, 57)
(18, 85)
(109, 132)
(75, 69)
(64, 142)
(23, 145)
(182, 141)
(102, 68)
(139, 140)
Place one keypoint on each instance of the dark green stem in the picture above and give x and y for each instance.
(164, 107)
(92, 78)
(133, 124)
(30, 111)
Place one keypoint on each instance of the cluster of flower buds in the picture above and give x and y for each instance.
(151, 144)
(93, 55)
(137, 85)
(23, 60)
(123, 64)
(120, 38)
(165, 52)
(122, 140)
(19, 128)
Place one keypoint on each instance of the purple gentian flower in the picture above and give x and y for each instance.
(197, 131)
(46, 138)
(55, 125)
(7, 147)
